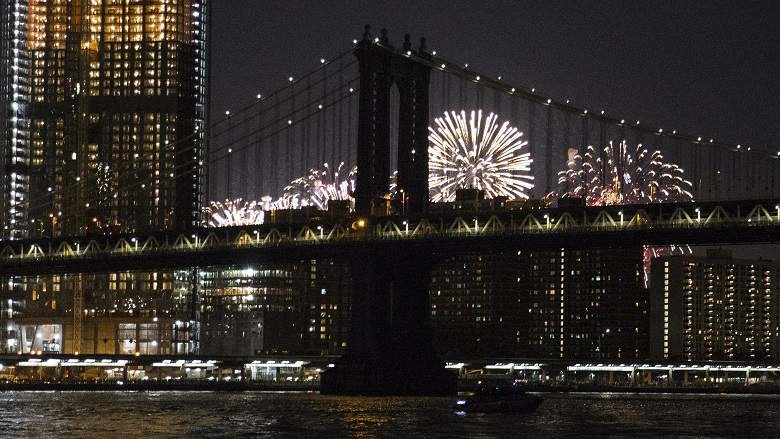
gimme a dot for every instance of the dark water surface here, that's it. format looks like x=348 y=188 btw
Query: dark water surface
x=252 y=414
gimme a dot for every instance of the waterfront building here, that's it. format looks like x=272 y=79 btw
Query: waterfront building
x=557 y=303
x=104 y=115
x=285 y=308
x=108 y=313
x=714 y=307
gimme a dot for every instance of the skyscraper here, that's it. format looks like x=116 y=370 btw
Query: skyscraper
x=714 y=307
x=572 y=303
x=14 y=126
x=104 y=114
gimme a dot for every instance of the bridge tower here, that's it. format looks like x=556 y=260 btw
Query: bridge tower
x=382 y=67
x=390 y=350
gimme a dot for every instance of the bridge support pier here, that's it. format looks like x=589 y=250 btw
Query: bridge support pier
x=390 y=349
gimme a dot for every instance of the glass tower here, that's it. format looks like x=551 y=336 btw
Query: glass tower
x=104 y=115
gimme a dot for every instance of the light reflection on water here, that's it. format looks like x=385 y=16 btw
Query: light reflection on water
x=250 y=414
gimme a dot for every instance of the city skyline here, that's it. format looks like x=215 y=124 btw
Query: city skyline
x=369 y=218
x=392 y=197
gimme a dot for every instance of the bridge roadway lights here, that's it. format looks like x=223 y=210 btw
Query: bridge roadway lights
x=390 y=350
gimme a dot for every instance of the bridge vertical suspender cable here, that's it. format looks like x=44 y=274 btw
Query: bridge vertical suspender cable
x=330 y=154
x=288 y=153
x=259 y=180
x=584 y=140
x=275 y=157
x=322 y=122
x=305 y=137
x=244 y=177
x=548 y=151
x=568 y=141
x=351 y=142
x=532 y=136
x=228 y=165
x=340 y=145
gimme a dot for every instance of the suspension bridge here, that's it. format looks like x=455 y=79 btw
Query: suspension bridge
x=371 y=106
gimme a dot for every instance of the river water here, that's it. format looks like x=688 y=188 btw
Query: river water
x=255 y=414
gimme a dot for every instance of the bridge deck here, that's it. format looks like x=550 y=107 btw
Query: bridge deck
x=447 y=232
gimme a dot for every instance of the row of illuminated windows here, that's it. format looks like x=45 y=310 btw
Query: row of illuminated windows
x=120 y=70
x=150 y=68
x=45 y=69
x=150 y=84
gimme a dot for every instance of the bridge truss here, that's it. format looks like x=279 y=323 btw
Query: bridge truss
x=448 y=231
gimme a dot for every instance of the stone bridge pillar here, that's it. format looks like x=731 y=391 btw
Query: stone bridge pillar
x=382 y=67
x=390 y=350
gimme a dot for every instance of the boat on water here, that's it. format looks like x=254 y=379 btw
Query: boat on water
x=499 y=398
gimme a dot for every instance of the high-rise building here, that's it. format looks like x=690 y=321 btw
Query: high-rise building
x=14 y=124
x=104 y=313
x=548 y=303
x=285 y=308
x=300 y=307
x=104 y=114
x=714 y=307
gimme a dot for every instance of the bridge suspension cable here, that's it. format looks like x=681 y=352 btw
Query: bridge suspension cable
x=278 y=125
x=72 y=192
x=307 y=122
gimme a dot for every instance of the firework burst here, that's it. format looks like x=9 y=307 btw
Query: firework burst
x=619 y=174
x=318 y=187
x=477 y=152
x=234 y=213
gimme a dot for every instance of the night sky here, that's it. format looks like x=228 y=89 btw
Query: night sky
x=705 y=68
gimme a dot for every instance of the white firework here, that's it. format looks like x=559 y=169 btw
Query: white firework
x=621 y=175
x=476 y=152
x=318 y=187
x=106 y=184
x=618 y=174
x=234 y=213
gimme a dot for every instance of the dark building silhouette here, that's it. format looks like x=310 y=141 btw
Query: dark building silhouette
x=559 y=303
x=293 y=308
